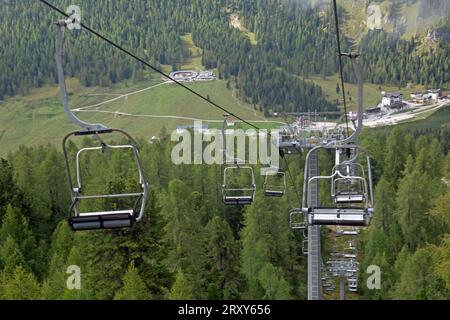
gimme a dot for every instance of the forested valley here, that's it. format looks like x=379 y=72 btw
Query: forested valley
x=189 y=246
x=292 y=41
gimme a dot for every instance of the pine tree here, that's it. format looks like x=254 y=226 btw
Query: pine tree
x=396 y=151
x=133 y=288
x=55 y=282
x=221 y=260
x=384 y=205
x=264 y=240
x=181 y=289
x=9 y=192
x=418 y=281
x=21 y=286
x=10 y=256
x=441 y=256
x=413 y=201
x=15 y=226
x=274 y=284
x=183 y=233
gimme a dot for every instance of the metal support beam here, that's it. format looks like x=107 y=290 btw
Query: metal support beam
x=314 y=256
x=342 y=287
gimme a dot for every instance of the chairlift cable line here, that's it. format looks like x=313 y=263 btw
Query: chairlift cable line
x=166 y=76
x=341 y=70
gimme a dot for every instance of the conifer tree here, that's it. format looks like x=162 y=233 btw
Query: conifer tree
x=181 y=289
x=133 y=287
x=22 y=285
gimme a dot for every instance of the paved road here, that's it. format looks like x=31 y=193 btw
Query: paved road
x=117 y=113
x=393 y=119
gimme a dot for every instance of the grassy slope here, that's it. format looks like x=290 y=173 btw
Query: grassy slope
x=194 y=61
x=39 y=118
x=431 y=120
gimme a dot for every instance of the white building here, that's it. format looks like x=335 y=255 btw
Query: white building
x=392 y=100
x=434 y=94
x=417 y=96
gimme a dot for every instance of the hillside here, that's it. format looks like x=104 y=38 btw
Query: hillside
x=39 y=118
x=222 y=231
x=406 y=17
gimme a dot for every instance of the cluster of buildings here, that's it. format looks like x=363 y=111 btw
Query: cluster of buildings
x=390 y=101
x=395 y=100
x=190 y=75
x=430 y=95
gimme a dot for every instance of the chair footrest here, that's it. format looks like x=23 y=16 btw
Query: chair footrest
x=274 y=193
x=245 y=200
x=102 y=220
x=334 y=216
x=349 y=199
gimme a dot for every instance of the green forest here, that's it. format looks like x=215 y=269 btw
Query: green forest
x=292 y=42
x=190 y=246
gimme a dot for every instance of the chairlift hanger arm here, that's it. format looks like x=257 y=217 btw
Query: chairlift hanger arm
x=354 y=138
x=62 y=24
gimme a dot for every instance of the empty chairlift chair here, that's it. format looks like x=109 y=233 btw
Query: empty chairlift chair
x=275 y=184
x=120 y=218
x=297 y=220
x=351 y=192
x=80 y=219
x=350 y=189
x=305 y=243
x=233 y=191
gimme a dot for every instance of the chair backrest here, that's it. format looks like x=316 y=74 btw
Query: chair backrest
x=275 y=184
x=234 y=193
x=297 y=219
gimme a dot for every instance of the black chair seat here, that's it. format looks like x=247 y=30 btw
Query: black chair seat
x=100 y=220
x=234 y=201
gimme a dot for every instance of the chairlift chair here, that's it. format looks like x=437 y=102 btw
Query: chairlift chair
x=87 y=220
x=242 y=195
x=351 y=209
x=275 y=184
x=345 y=211
x=297 y=220
x=81 y=220
x=349 y=190
x=348 y=186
